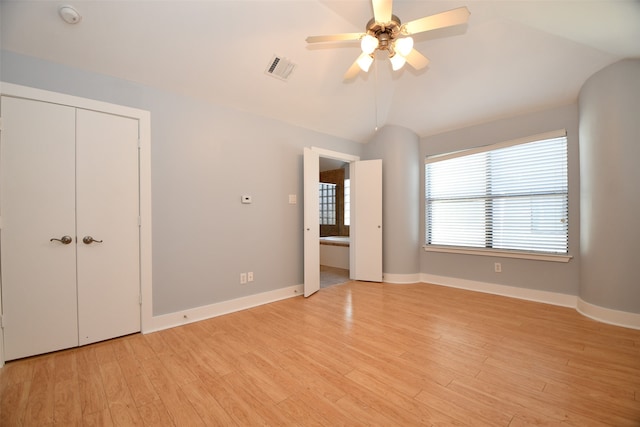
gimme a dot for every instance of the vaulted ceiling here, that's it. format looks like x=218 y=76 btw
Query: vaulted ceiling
x=512 y=57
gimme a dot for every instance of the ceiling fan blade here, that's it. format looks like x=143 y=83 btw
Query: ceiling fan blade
x=354 y=69
x=334 y=38
x=440 y=20
x=382 y=10
x=417 y=60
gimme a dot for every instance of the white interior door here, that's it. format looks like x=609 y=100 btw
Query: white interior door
x=311 y=222
x=107 y=211
x=365 y=252
x=37 y=199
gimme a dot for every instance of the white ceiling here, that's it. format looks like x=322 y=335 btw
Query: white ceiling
x=513 y=56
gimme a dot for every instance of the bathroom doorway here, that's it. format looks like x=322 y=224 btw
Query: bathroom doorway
x=365 y=230
x=334 y=214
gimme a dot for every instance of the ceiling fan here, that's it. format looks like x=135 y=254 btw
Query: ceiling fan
x=386 y=32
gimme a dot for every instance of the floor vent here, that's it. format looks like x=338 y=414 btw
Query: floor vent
x=280 y=67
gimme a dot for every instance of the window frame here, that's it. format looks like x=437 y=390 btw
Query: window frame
x=486 y=251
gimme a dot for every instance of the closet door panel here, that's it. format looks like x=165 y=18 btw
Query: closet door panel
x=37 y=204
x=108 y=211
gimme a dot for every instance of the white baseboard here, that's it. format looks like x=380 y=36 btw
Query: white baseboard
x=184 y=317
x=607 y=315
x=402 y=279
x=601 y=314
x=554 y=298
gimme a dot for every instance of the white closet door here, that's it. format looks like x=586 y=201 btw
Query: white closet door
x=37 y=199
x=107 y=211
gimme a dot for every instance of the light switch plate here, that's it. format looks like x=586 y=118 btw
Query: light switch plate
x=246 y=199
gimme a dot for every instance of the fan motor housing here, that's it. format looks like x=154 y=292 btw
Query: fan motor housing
x=385 y=32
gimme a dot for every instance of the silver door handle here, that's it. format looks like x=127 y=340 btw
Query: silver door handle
x=87 y=240
x=65 y=240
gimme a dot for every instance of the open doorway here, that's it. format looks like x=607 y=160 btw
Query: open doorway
x=334 y=214
x=365 y=230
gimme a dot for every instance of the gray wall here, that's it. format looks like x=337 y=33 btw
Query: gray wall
x=610 y=187
x=204 y=157
x=532 y=274
x=398 y=148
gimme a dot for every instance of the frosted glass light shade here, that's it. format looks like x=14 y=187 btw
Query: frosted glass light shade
x=369 y=44
x=397 y=62
x=364 y=62
x=404 y=46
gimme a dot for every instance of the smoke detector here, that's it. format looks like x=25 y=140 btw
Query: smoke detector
x=69 y=14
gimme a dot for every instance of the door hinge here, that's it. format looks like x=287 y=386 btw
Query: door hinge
x=0 y=123
x=139 y=144
x=139 y=221
x=140 y=299
x=1 y=322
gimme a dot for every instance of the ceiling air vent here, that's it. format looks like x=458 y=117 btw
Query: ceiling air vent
x=280 y=67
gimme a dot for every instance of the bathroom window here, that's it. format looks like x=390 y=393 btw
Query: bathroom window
x=327 y=203
x=347 y=202
x=332 y=203
x=508 y=196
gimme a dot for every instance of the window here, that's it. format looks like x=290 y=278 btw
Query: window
x=333 y=210
x=347 y=202
x=508 y=196
x=327 y=203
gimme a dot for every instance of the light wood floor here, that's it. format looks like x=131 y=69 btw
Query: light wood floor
x=353 y=354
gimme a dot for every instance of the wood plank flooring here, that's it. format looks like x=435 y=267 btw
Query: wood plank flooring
x=352 y=354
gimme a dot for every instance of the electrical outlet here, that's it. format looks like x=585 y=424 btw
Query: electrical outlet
x=497 y=267
x=250 y=276
x=243 y=278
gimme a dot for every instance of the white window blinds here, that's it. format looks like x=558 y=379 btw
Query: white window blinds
x=508 y=196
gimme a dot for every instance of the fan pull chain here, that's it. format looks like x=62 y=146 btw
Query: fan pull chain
x=375 y=95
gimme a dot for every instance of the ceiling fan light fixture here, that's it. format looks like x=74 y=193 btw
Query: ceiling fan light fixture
x=385 y=31
x=404 y=46
x=369 y=44
x=365 y=61
x=397 y=62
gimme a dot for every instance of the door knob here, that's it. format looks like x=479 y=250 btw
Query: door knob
x=65 y=240
x=87 y=240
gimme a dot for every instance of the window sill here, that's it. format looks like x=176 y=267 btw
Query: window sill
x=499 y=253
